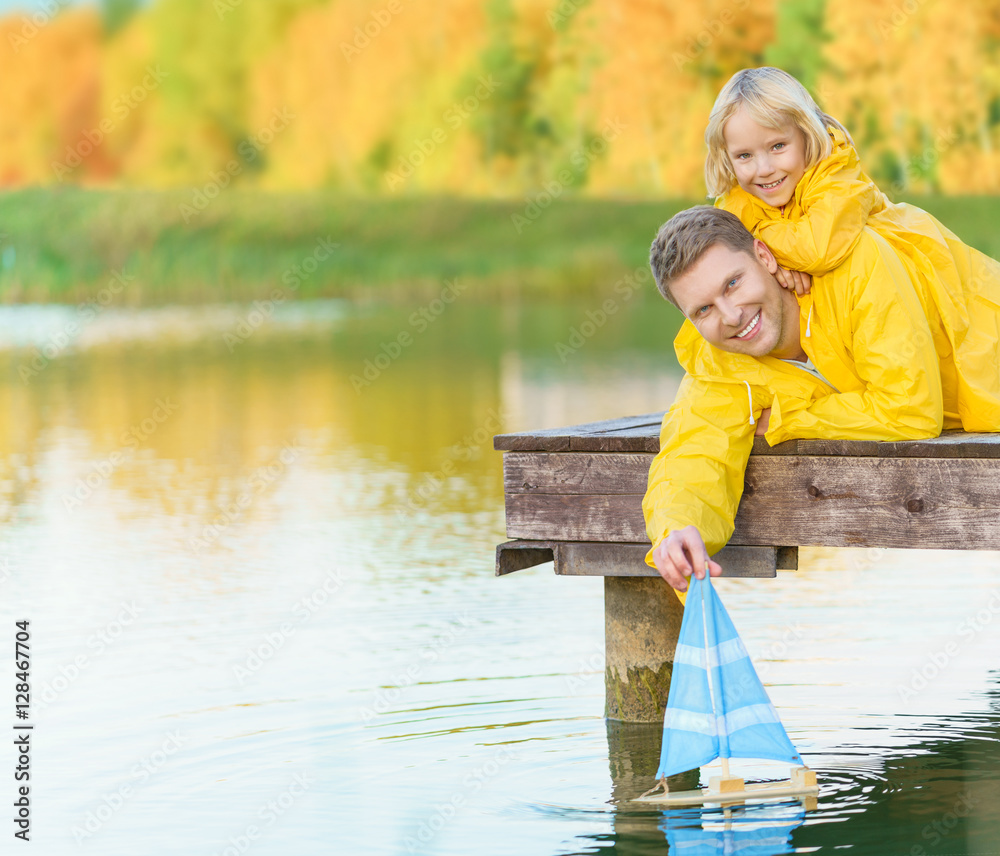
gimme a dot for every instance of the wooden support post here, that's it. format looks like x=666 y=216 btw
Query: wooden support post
x=642 y=620
x=642 y=615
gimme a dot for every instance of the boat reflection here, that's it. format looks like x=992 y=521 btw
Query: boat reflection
x=755 y=830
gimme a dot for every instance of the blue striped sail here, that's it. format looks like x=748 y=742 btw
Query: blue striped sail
x=717 y=706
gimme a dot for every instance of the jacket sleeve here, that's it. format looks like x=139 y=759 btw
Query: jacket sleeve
x=697 y=477
x=836 y=200
x=885 y=330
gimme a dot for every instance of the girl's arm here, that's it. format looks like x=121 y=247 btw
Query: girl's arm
x=831 y=206
x=900 y=395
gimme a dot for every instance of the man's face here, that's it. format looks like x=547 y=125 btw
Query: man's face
x=737 y=305
x=768 y=162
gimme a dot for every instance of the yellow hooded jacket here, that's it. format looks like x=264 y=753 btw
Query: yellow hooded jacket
x=866 y=332
x=959 y=287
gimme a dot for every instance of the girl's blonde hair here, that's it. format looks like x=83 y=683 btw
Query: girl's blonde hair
x=772 y=98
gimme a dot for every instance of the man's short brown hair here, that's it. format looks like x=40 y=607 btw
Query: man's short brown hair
x=687 y=236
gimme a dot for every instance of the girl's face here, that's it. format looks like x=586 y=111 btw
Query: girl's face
x=768 y=162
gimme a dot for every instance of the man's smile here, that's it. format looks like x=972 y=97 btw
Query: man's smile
x=750 y=330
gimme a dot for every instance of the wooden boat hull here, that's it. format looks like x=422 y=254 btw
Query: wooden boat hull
x=731 y=789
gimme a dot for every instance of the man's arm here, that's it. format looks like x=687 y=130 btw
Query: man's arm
x=696 y=480
x=885 y=331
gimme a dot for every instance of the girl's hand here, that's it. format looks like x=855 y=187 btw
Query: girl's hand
x=794 y=280
x=762 y=422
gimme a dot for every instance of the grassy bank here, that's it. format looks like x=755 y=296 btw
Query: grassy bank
x=65 y=245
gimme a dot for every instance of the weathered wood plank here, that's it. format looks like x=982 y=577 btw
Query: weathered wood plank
x=562 y=472
x=552 y=440
x=559 y=439
x=947 y=503
x=626 y=440
x=618 y=473
x=583 y=559
x=550 y=517
x=628 y=560
x=953 y=444
x=641 y=434
x=519 y=555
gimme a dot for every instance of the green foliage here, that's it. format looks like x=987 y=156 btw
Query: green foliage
x=504 y=122
x=798 y=46
x=116 y=13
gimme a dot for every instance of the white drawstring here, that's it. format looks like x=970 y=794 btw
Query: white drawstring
x=809 y=320
x=750 y=399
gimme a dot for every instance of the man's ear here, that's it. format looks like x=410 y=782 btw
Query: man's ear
x=765 y=256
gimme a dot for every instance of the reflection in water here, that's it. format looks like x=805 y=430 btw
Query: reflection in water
x=938 y=795
x=634 y=755
x=261 y=597
x=749 y=831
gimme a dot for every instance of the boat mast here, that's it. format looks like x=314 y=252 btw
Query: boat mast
x=708 y=674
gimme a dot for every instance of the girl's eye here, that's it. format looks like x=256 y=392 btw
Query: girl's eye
x=779 y=146
x=743 y=156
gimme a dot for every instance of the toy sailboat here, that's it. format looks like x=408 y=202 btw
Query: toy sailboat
x=718 y=708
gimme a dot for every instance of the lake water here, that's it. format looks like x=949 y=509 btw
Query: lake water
x=264 y=620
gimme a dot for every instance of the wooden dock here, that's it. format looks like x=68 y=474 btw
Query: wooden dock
x=574 y=497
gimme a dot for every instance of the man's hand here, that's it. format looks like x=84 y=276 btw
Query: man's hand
x=681 y=554
x=794 y=280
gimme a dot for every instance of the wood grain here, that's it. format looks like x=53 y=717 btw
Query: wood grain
x=628 y=560
x=641 y=434
x=551 y=517
x=519 y=555
x=948 y=503
x=561 y=439
x=569 y=472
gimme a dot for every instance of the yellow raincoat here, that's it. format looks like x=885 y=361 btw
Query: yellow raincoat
x=819 y=228
x=865 y=330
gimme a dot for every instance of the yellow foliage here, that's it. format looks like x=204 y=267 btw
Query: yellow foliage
x=50 y=74
x=372 y=88
x=484 y=97
x=662 y=67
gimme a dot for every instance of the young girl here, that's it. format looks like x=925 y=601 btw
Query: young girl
x=792 y=175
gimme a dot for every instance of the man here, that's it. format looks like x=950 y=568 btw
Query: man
x=860 y=357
